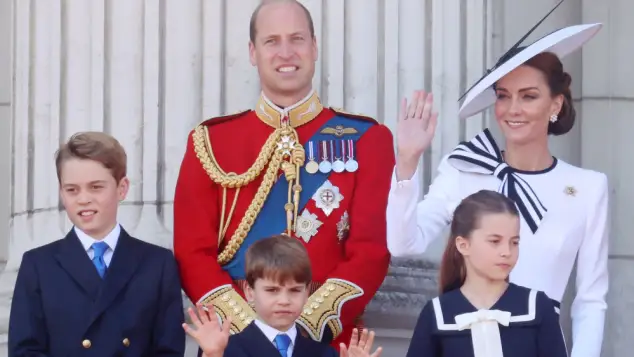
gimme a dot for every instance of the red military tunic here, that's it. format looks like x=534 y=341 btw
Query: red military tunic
x=346 y=244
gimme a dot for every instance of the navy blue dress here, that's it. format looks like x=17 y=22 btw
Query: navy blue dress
x=533 y=330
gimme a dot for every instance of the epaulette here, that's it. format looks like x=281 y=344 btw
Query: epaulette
x=223 y=118
x=343 y=113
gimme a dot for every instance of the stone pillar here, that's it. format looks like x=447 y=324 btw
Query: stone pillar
x=5 y=124
x=607 y=104
x=442 y=46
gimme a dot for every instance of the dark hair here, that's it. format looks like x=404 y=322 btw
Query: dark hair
x=559 y=83
x=279 y=258
x=254 y=16
x=96 y=146
x=466 y=219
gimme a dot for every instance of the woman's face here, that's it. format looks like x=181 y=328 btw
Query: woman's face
x=524 y=105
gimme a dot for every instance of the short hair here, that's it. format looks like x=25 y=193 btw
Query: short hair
x=95 y=146
x=279 y=258
x=254 y=17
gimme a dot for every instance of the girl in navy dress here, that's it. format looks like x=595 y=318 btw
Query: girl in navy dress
x=479 y=313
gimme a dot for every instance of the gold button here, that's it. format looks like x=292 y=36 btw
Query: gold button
x=126 y=342
x=86 y=343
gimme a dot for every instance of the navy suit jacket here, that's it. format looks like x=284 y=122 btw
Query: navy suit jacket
x=252 y=342
x=61 y=307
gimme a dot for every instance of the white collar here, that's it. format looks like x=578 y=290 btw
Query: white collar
x=111 y=238
x=271 y=332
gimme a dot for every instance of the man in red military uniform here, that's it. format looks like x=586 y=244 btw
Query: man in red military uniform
x=289 y=166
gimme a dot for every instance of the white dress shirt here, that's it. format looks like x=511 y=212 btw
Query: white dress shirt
x=575 y=226
x=111 y=240
x=271 y=333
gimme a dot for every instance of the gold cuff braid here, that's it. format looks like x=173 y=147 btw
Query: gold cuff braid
x=324 y=308
x=282 y=147
x=228 y=303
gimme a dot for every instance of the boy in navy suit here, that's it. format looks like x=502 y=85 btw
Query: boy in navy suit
x=98 y=291
x=278 y=274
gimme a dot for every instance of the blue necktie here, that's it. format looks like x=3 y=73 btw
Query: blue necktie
x=282 y=342
x=99 y=249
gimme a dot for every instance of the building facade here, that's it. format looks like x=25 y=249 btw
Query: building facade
x=147 y=71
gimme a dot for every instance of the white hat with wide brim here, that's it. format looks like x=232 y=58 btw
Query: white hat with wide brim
x=561 y=42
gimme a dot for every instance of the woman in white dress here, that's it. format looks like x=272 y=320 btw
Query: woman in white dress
x=563 y=207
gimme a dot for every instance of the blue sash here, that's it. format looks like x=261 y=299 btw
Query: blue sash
x=272 y=217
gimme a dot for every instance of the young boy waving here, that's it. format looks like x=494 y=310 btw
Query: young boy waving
x=278 y=273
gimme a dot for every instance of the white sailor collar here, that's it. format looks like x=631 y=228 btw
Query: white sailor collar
x=522 y=304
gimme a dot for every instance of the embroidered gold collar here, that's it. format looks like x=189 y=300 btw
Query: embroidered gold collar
x=297 y=114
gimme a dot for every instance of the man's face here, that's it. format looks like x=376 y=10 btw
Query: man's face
x=284 y=51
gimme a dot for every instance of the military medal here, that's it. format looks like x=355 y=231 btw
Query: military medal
x=327 y=197
x=307 y=226
x=343 y=226
x=351 y=164
x=338 y=165
x=311 y=167
x=324 y=166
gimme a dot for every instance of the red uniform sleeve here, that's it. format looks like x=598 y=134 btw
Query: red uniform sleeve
x=196 y=222
x=351 y=286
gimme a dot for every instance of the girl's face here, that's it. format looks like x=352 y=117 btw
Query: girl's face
x=492 y=249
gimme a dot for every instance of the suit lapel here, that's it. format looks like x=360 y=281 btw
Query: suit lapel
x=74 y=259
x=303 y=348
x=256 y=344
x=125 y=260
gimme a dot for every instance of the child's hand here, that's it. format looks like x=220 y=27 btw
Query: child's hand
x=360 y=347
x=210 y=336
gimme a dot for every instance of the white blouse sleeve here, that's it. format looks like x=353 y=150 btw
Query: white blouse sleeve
x=413 y=225
x=589 y=305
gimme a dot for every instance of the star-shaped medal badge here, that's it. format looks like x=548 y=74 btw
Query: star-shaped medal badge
x=286 y=145
x=327 y=197
x=307 y=225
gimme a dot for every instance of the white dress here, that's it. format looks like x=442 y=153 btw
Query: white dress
x=565 y=217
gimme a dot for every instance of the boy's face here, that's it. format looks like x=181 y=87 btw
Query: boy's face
x=91 y=196
x=279 y=305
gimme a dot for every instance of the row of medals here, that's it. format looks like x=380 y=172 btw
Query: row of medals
x=335 y=155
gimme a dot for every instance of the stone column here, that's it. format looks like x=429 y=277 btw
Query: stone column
x=442 y=46
x=6 y=63
x=607 y=104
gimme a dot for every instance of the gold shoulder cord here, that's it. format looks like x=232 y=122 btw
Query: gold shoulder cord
x=282 y=150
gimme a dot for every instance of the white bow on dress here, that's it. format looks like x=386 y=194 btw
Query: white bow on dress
x=485 y=332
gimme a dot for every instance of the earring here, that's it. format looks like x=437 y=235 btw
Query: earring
x=553 y=118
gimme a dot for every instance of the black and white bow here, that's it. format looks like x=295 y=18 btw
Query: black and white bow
x=482 y=155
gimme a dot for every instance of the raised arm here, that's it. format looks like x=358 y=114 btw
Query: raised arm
x=588 y=307
x=412 y=224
